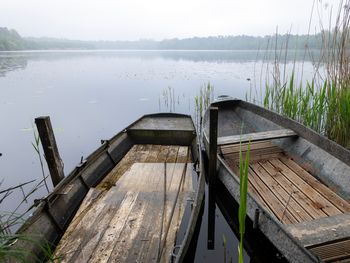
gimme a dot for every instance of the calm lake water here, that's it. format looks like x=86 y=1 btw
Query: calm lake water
x=91 y=95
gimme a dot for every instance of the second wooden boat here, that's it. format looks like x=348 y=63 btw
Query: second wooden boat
x=299 y=181
x=135 y=199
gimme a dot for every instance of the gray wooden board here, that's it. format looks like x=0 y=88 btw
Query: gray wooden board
x=322 y=230
x=124 y=223
x=164 y=123
x=257 y=136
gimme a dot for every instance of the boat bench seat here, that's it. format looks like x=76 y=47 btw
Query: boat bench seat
x=257 y=136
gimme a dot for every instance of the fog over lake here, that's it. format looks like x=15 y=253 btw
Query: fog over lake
x=91 y=95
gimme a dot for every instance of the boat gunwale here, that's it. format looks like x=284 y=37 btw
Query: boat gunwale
x=43 y=209
x=335 y=150
x=331 y=147
x=263 y=225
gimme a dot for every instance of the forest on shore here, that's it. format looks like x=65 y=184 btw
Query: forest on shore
x=10 y=40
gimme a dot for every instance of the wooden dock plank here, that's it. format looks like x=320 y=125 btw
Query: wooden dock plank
x=318 y=200
x=257 y=136
x=336 y=200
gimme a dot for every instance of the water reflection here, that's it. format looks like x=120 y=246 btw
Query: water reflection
x=11 y=63
x=18 y=60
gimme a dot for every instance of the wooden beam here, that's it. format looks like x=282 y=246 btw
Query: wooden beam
x=48 y=141
x=257 y=136
x=213 y=137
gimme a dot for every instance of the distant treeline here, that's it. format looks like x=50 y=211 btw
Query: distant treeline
x=11 y=40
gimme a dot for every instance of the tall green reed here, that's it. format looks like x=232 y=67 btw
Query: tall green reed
x=243 y=191
x=323 y=103
x=202 y=102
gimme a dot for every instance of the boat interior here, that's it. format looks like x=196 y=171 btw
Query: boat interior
x=135 y=212
x=297 y=182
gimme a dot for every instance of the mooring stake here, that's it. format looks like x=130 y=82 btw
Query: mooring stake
x=213 y=138
x=213 y=143
x=48 y=141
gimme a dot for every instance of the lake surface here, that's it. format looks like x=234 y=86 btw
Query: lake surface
x=91 y=95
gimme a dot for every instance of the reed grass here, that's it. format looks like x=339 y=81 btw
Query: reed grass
x=243 y=191
x=202 y=103
x=323 y=103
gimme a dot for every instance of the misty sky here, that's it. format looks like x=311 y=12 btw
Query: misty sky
x=157 y=19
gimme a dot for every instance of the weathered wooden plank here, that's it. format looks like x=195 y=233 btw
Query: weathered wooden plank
x=164 y=123
x=317 y=199
x=146 y=209
x=258 y=136
x=298 y=195
x=266 y=197
x=185 y=191
x=183 y=155
x=285 y=197
x=271 y=200
x=339 y=202
x=52 y=156
x=153 y=153
x=265 y=151
x=321 y=231
x=86 y=229
x=92 y=196
x=164 y=151
x=172 y=155
x=232 y=148
x=251 y=189
x=255 y=157
x=113 y=176
x=125 y=224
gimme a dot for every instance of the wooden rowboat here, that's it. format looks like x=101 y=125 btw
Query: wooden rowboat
x=299 y=181
x=136 y=198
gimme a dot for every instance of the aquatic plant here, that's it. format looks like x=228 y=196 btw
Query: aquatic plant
x=243 y=191
x=36 y=146
x=322 y=104
x=202 y=103
x=168 y=99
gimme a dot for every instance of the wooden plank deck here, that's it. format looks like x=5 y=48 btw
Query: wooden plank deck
x=134 y=214
x=283 y=187
x=256 y=136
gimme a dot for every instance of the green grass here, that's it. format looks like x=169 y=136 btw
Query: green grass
x=323 y=103
x=325 y=109
x=243 y=190
x=202 y=102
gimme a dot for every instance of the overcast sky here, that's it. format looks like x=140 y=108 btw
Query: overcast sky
x=156 y=19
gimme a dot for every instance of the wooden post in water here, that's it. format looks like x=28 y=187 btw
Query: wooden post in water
x=213 y=143
x=213 y=138
x=48 y=141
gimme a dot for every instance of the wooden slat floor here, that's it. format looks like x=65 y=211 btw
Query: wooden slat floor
x=287 y=190
x=338 y=251
x=126 y=218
